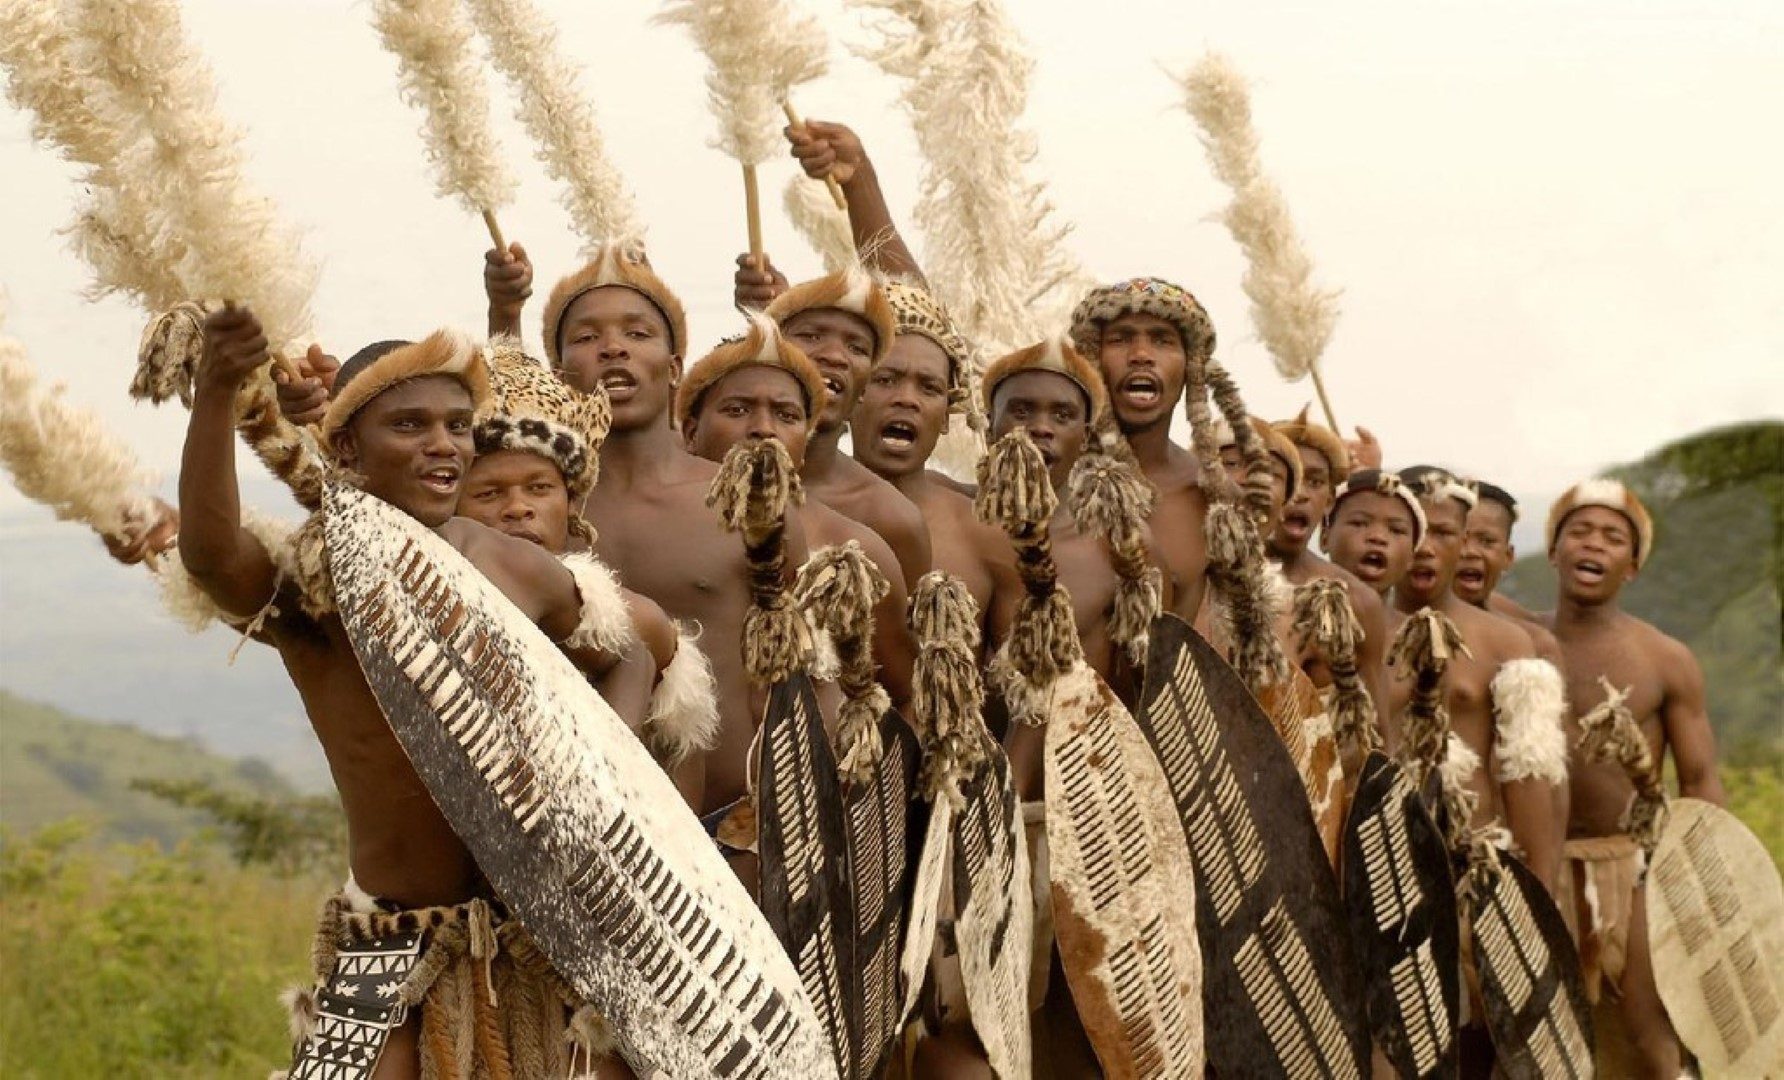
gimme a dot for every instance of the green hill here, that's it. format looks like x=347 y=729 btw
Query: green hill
x=1716 y=575
x=54 y=766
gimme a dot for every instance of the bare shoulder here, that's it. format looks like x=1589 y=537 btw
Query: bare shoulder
x=1672 y=657
x=952 y=484
x=1494 y=638
x=825 y=527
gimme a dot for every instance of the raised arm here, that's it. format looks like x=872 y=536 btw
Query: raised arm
x=827 y=150
x=226 y=561
x=1686 y=720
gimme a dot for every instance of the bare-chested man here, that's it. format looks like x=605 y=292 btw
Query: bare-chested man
x=401 y=423
x=1599 y=536
x=1487 y=553
x=1504 y=703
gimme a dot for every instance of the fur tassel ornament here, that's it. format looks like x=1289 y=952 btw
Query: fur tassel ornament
x=168 y=356
x=441 y=77
x=1294 y=319
x=1421 y=651
x=947 y=693
x=1112 y=499
x=523 y=46
x=1326 y=622
x=1609 y=733
x=838 y=588
x=752 y=490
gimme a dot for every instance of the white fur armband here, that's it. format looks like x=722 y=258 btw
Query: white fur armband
x=1529 y=706
x=606 y=620
x=1459 y=762
x=684 y=708
x=190 y=605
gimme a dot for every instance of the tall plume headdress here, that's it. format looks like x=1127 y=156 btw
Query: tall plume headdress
x=758 y=52
x=522 y=44
x=440 y=76
x=1293 y=317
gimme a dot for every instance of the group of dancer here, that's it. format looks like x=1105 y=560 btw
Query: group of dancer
x=681 y=526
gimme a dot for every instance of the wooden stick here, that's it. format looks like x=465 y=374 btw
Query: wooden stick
x=842 y=201
x=1325 y=403
x=752 y=208
x=495 y=231
x=286 y=367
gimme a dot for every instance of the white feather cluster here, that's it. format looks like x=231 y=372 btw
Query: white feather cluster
x=442 y=78
x=62 y=456
x=759 y=50
x=814 y=213
x=522 y=44
x=220 y=239
x=1293 y=318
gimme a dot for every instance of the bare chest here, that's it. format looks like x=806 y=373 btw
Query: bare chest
x=1618 y=660
x=671 y=548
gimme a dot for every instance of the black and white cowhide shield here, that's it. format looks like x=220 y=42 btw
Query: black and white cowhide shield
x=583 y=835
x=881 y=817
x=804 y=851
x=1402 y=901
x=1530 y=983
x=1283 y=994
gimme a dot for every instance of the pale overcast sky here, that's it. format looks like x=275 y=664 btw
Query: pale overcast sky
x=1556 y=225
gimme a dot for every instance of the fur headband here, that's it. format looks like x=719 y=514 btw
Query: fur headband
x=852 y=290
x=1612 y=495
x=1143 y=296
x=916 y=311
x=1381 y=483
x=534 y=411
x=444 y=352
x=1056 y=355
x=623 y=268
x=1431 y=482
x=762 y=346
x=1494 y=493
x=1303 y=432
x=1275 y=442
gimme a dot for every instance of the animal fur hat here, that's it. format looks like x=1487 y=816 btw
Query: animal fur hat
x=1056 y=355
x=626 y=268
x=1304 y=432
x=534 y=411
x=1612 y=495
x=1431 y=482
x=1274 y=441
x=1382 y=483
x=852 y=290
x=916 y=311
x=1143 y=296
x=443 y=352
x=762 y=346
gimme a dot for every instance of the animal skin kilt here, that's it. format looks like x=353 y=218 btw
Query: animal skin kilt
x=1402 y=903
x=1530 y=984
x=1284 y=995
x=1716 y=934
x=836 y=871
x=584 y=838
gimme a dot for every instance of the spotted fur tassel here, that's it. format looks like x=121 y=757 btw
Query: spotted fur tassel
x=1112 y=499
x=168 y=355
x=1325 y=621
x=1422 y=650
x=947 y=693
x=1609 y=733
x=838 y=588
x=752 y=491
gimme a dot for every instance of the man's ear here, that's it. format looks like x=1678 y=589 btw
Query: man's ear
x=675 y=370
x=346 y=448
x=688 y=427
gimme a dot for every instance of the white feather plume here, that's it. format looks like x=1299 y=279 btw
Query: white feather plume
x=442 y=78
x=759 y=50
x=814 y=213
x=523 y=45
x=1294 y=319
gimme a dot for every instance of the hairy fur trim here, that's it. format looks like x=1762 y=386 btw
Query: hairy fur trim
x=1529 y=707
x=523 y=45
x=1144 y=296
x=1294 y=319
x=590 y=1037
x=1275 y=443
x=1015 y=492
x=442 y=77
x=1612 y=495
x=167 y=357
x=1421 y=651
x=190 y=605
x=762 y=346
x=851 y=289
x=1460 y=762
x=683 y=717
x=619 y=263
x=1112 y=498
x=947 y=692
x=606 y=622
x=1326 y=622
x=1056 y=355
x=754 y=487
x=1609 y=733
x=838 y=588
x=752 y=490
x=814 y=214
x=301 y=1012
x=1304 y=432
x=443 y=352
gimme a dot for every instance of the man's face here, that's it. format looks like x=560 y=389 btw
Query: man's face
x=1053 y=410
x=1594 y=555
x=1371 y=536
x=1308 y=508
x=904 y=409
x=412 y=445
x=1144 y=365
x=521 y=494
x=1434 y=563
x=616 y=338
x=841 y=344
x=1486 y=552
x=754 y=402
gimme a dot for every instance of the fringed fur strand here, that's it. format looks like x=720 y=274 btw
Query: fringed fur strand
x=1325 y=622
x=1609 y=733
x=947 y=693
x=838 y=587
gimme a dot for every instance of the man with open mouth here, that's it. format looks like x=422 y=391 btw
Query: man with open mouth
x=1600 y=536
x=1371 y=530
